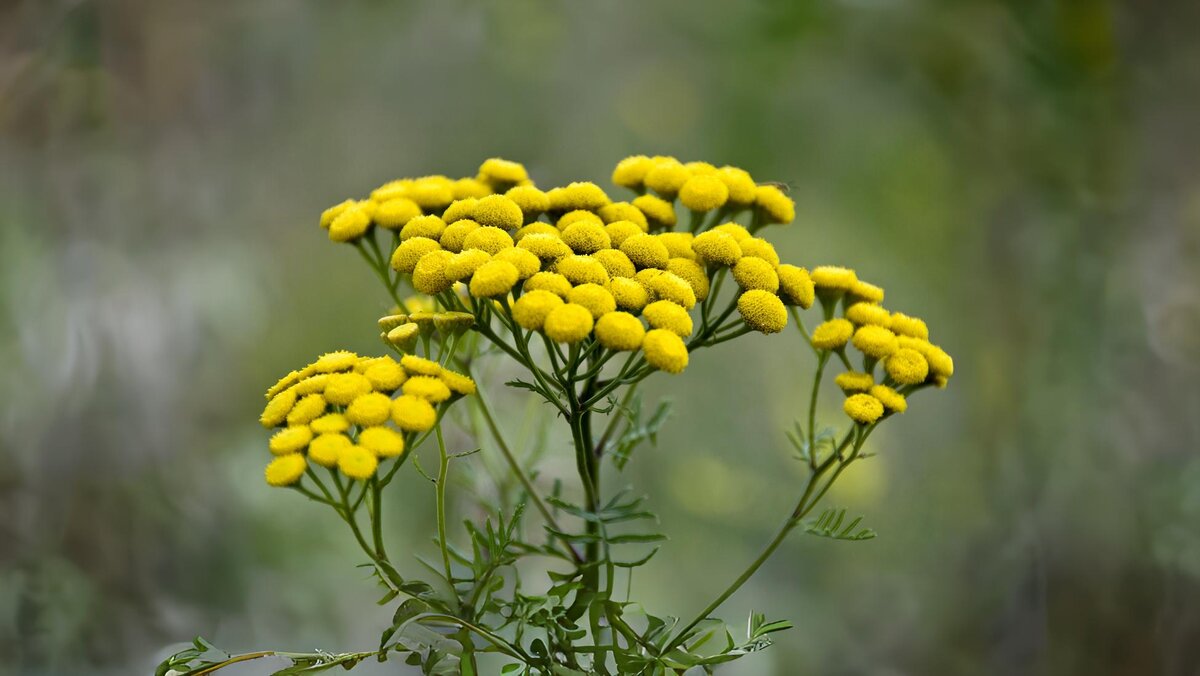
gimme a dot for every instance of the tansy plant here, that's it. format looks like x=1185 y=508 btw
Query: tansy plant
x=589 y=297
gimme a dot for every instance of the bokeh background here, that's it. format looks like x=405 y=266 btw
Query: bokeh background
x=1025 y=175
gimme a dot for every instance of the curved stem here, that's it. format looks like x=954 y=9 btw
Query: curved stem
x=440 y=491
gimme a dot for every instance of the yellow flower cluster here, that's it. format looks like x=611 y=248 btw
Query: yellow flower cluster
x=353 y=412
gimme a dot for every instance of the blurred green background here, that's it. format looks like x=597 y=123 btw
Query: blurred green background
x=1025 y=175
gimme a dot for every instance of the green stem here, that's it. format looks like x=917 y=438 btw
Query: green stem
x=440 y=491
x=812 y=408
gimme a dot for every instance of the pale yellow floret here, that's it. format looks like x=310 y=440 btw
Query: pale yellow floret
x=580 y=195
x=742 y=189
x=663 y=314
x=631 y=171
x=527 y=264
x=462 y=265
x=762 y=311
x=692 y=273
x=667 y=176
x=545 y=246
x=907 y=366
x=774 y=204
x=616 y=263
x=466 y=188
x=905 y=325
x=737 y=231
x=646 y=251
x=833 y=278
x=430 y=388
x=585 y=237
x=665 y=351
x=869 y=313
x=530 y=200
x=620 y=331
x=413 y=414
x=629 y=294
x=672 y=287
x=582 y=270
x=343 y=388
x=306 y=410
x=568 y=323
x=536 y=228
x=875 y=341
x=755 y=273
x=703 y=192
x=866 y=292
x=659 y=212
x=498 y=170
x=578 y=216
x=405 y=257
x=351 y=224
x=456 y=233
x=404 y=336
x=892 y=400
x=278 y=408
x=290 y=440
x=369 y=409
x=548 y=281
x=430 y=227
x=863 y=408
x=500 y=212
x=594 y=297
x=716 y=248
x=619 y=231
x=531 y=308
x=395 y=214
x=357 y=462
x=833 y=334
x=458 y=383
x=757 y=247
x=311 y=384
x=853 y=382
x=429 y=275
x=384 y=442
x=326 y=448
x=623 y=211
x=432 y=193
x=453 y=323
x=494 y=278
x=330 y=423
x=285 y=470
x=334 y=211
x=795 y=286
x=385 y=375
x=679 y=244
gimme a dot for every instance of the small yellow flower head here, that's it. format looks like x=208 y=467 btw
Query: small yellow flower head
x=343 y=388
x=869 y=313
x=582 y=270
x=833 y=279
x=455 y=234
x=775 y=206
x=496 y=171
x=629 y=294
x=716 y=248
x=382 y=441
x=532 y=307
x=286 y=470
x=327 y=448
x=737 y=231
x=581 y=195
x=369 y=409
x=616 y=263
x=865 y=292
x=420 y=366
x=357 y=462
x=679 y=244
x=395 y=214
x=536 y=228
x=795 y=286
x=403 y=336
x=620 y=331
x=500 y=212
x=429 y=275
x=330 y=423
x=549 y=281
x=467 y=188
x=643 y=277
x=531 y=201
x=385 y=375
x=278 y=408
x=405 y=257
x=863 y=408
x=594 y=297
x=665 y=351
x=432 y=193
x=585 y=237
x=755 y=273
x=704 y=192
x=892 y=400
x=646 y=251
x=700 y=168
x=631 y=171
x=903 y=325
x=351 y=224
x=453 y=323
x=758 y=247
x=458 y=383
x=907 y=366
x=663 y=314
x=672 y=287
x=282 y=384
x=527 y=264
x=392 y=190
x=742 y=189
x=852 y=382
x=833 y=334
x=659 y=212
x=875 y=341
x=389 y=322
x=692 y=273
x=545 y=246
x=430 y=227
x=333 y=212
x=578 y=216
x=459 y=210
x=306 y=410
x=290 y=440
x=331 y=362
x=762 y=311
x=314 y=384
x=619 y=231
x=413 y=414
x=569 y=323
x=494 y=278
x=667 y=177
x=623 y=211
x=941 y=365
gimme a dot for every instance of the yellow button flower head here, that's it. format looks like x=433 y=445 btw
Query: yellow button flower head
x=389 y=322
x=351 y=224
x=795 y=286
x=546 y=247
x=382 y=441
x=775 y=206
x=580 y=195
x=755 y=273
x=907 y=366
x=667 y=177
x=582 y=270
x=619 y=231
x=343 y=388
x=646 y=251
x=875 y=341
x=395 y=214
x=496 y=170
x=663 y=314
x=833 y=334
x=631 y=171
x=692 y=273
x=500 y=212
x=892 y=400
x=665 y=351
x=278 y=408
x=536 y=228
x=466 y=188
x=643 y=277
x=456 y=233
x=940 y=363
x=758 y=247
x=679 y=244
x=330 y=362
x=716 y=248
x=585 y=237
x=429 y=275
x=494 y=278
x=460 y=209
x=620 y=331
x=430 y=227
x=704 y=192
x=737 y=231
x=392 y=190
x=285 y=470
x=659 y=212
x=578 y=216
x=357 y=462
x=306 y=410
x=742 y=189
x=623 y=211
x=405 y=257
x=290 y=440
x=327 y=448
x=863 y=408
x=311 y=385
x=903 y=325
x=531 y=308
x=594 y=297
x=334 y=211
x=458 y=383
x=569 y=323
x=527 y=264
x=762 y=311
x=453 y=323
x=869 y=313
x=420 y=366
x=672 y=287
x=616 y=263
x=385 y=375
x=369 y=409
x=700 y=168
x=282 y=384
x=833 y=278
x=629 y=294
x=432 y=193
x=403 y=337
x=548 y=281
x=866 y=292
x=330 y=423
x=530 y=200
x=413 y=414
x=854 y=381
